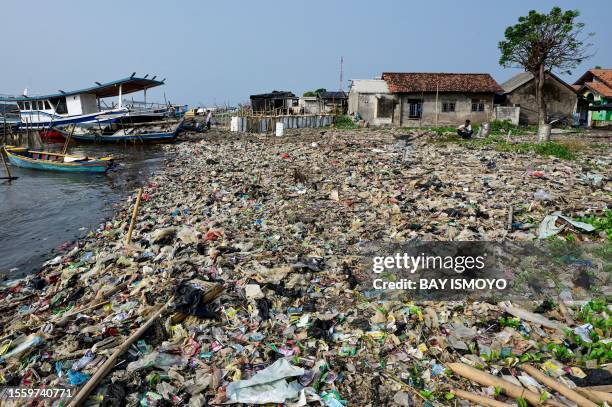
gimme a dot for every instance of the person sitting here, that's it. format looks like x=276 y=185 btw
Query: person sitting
x=465 y=130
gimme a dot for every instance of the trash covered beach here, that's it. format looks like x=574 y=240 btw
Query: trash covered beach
x=241 y=282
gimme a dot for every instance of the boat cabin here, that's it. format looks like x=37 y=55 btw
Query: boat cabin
x=77 y=106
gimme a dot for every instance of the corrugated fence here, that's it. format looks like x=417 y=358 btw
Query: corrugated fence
x=267 y=124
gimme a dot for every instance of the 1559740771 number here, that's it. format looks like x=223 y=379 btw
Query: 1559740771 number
x=13 y=393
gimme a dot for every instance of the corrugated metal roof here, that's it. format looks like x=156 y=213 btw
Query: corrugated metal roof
x=102 y=90
x=522 y=78
x=516 y=81
x=333 y=95
x=369 y=86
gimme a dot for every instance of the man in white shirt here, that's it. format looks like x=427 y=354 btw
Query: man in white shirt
x=465 y=130
x=208 y=119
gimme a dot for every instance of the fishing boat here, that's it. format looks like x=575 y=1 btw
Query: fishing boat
x=48 y=161
x=155 y=132
x=80 y=106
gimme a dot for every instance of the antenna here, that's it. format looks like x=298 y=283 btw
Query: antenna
x=341 y=72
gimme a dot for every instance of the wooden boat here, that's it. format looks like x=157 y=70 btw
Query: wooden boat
x=48 y=161
x=155 y=132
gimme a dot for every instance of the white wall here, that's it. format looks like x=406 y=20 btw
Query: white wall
x=73 y=103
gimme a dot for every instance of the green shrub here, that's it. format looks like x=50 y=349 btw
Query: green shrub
x=344 y=122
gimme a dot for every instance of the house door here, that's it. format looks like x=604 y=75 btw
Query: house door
x=412 y=110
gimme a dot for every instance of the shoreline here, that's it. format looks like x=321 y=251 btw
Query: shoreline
x=278 y=223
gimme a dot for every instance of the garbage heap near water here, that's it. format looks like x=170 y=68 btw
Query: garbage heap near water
x=242 y=282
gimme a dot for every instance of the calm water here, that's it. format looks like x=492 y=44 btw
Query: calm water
x=42 y=210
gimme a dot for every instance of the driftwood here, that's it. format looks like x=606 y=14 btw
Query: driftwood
x=128 y=239
x=558 y=386
x=535 y=318
x=508 y=388
x=480 y=400
x=209 y=296
x=595 y=396
x=93 y=382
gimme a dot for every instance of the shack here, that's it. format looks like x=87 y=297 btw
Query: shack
x=372 y=101
x=595 y=101
x=520 y=90
x=432 y=99
x=275 y=102
x=333 y=102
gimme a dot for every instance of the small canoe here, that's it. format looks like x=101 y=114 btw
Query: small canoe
x=47 y=161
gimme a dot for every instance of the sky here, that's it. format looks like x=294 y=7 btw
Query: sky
x=221 y=52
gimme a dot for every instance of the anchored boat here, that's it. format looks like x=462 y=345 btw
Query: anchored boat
x=48 y=161
x=155 y=132
x=80 y=106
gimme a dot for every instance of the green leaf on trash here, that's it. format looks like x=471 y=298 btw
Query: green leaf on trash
x=449 y=396
x=521 y=402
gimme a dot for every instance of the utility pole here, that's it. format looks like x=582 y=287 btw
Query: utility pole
x=341 y=72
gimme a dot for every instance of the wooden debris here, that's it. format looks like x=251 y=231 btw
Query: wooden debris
x=558 y=386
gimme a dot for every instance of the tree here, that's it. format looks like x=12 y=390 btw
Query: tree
x=315 y=92
x=541 y=43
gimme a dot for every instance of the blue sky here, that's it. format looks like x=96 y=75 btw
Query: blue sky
x=218 y=52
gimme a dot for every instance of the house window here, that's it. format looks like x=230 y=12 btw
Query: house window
x=478 y=105
x=415 y=108
x=448 y=107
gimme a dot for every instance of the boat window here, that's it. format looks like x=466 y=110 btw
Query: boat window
x=40 y=105
x=21 y=105
x=47 y=106
x=60 y=105
x=27 y=105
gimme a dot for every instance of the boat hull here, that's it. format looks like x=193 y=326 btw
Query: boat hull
x=41 y=120
x=135 y=138
x=94 y=166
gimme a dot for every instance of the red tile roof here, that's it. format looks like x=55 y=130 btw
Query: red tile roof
x=412 y=82
x=605 y=75
x=600 y=88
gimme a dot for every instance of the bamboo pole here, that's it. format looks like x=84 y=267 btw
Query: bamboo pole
x=558 y=386
x=508 y=388
x=6 y=167
x=483 y=401
x=93 y=382
x=595 y=396
x=128 y=239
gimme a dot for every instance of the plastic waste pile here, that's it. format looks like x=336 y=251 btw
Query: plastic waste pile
x=251 y=244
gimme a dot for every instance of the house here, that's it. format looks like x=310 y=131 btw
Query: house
x=436 y=99
x=372 y=100
x=333 y=102
x=520 y=91
x=275 y=102
x=595 y=97
x=309 y=105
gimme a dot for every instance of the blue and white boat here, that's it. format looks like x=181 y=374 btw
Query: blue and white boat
x=79 y=106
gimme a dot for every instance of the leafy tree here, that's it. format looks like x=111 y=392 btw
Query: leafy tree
x=542 y=43
x=315 y=92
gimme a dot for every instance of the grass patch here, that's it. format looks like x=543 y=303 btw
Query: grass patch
x=601 y=223
x=344 y=122
x=551 y=148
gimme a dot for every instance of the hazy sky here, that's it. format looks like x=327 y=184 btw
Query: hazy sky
x=223 y=51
